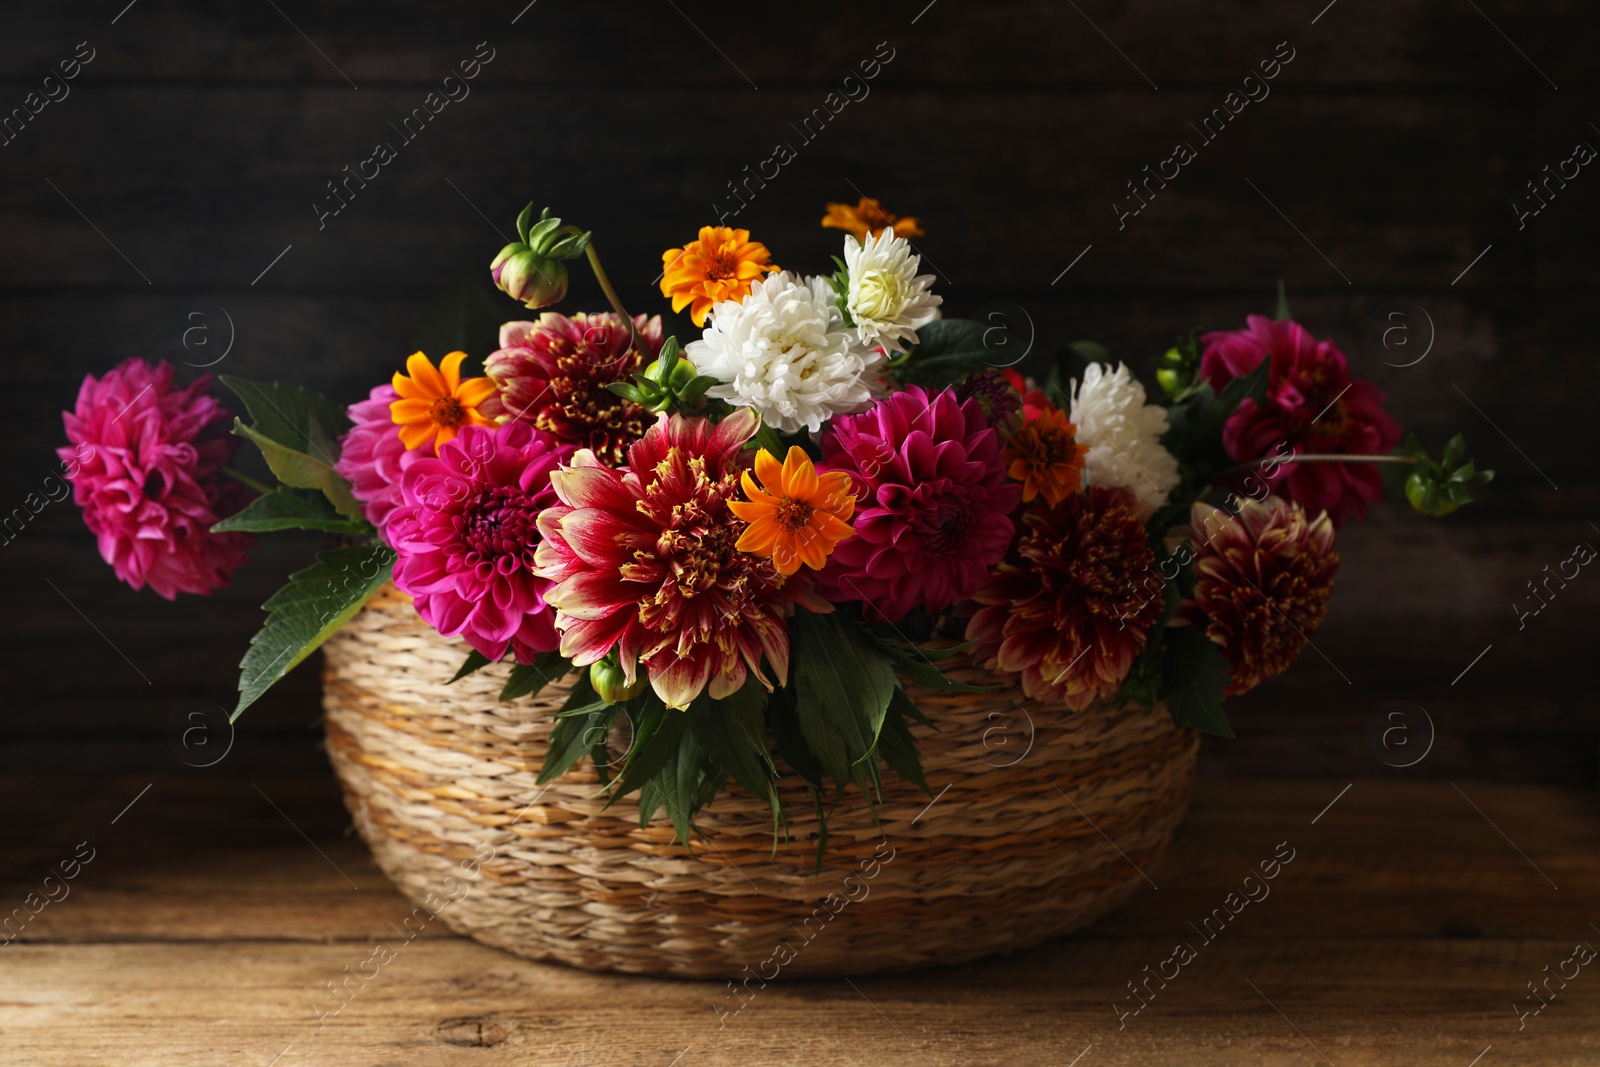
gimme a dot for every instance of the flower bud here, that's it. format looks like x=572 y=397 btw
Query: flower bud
x=610 y=684
x=531 y=269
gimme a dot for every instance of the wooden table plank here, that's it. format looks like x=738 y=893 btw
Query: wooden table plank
x=206 y=929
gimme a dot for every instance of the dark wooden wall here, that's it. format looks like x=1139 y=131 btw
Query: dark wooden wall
x=1385 y=159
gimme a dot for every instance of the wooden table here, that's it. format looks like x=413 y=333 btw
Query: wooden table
x=214 y=910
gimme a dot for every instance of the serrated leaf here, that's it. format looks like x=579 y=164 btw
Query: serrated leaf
x=576 y=736
x=733 y=734
x=843 y=683
x=291 y=509
x=1195 y=675
x=528 y=678
x=658 y=731
x=309 y=610
x=475 y=661
x=297 y=430
x=898 y=747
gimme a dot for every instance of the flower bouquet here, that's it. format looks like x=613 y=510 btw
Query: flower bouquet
x=826 y=537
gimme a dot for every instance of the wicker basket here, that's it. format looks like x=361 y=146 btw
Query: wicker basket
x=1037 y=828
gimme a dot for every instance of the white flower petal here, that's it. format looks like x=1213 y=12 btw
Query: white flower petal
x=1123 y=434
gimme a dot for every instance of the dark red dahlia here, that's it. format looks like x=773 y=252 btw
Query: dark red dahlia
x=1312 y=405
x=1068 y=609
x=553 y=373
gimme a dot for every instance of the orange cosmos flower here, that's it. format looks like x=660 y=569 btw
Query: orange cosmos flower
x=720 y=265
x=435 y=403
x=800 y=516
x=1045 y=457
x=869 y=217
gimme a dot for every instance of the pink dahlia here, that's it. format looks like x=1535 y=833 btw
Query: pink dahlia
x=465 y=533
x=1262 y=582
x=1067 y=610
x=148 y=477
x=644 y=562
x=373 y=457
x=933 y=504
x=1312 y=405
x=554 y=372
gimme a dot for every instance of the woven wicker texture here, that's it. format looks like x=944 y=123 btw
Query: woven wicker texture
x=1040 y=818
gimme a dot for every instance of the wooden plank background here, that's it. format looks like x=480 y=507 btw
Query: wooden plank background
x=198 y=138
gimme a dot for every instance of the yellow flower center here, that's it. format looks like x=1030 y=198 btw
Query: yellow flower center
x=793 y=515
x=880 y=295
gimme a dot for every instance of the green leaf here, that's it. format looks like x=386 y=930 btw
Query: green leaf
x=297 y=430
x=896 y=743
x=475 y=661
x=784 y=723
x=843 y=683
x=576 y=736
x=734 y=734
x=1194 y=678
x=291 y=509
x=911 y=661
x=528 y=678
x=658 y=731
x=307 y=611
x=948 y=349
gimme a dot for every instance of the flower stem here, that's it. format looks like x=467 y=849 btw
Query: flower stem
x=1309 y=457
x=246 y=480
x=611 y=295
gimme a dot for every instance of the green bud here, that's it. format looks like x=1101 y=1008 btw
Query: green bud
x=532 y=270
x=609 y=683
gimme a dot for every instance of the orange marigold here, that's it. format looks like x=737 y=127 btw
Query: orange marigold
x=1045 y=457
x=869 y=217
x=799 y=517
x=435 y=402
x=721 y=264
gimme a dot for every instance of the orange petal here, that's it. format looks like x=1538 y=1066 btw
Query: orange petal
x=475 y=391
x=769 y=470
x=406 y=387
x=759 y=538
x=410 y=411
x=799 y=475
x=750 y=512
x=421 y=369
x=415 y=434
x=450 y=369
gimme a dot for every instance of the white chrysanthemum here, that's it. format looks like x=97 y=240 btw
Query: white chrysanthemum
x=887 y=297
x=1123 y=434
x=785 y=351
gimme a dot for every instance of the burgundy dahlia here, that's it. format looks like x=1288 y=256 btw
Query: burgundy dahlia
x=373 y=457
x=644 y=562
x=1312 y=405
x=1068 y=609
x=148 y=462
x=465 y=535
x=553 y=373
x=932 y=502
x=1262 y=582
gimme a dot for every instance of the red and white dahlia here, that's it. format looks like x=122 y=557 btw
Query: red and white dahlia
x=933 y=504
x=1262 y=582
x=643 y=560
x=1066 y=610
x=553 y=373
x=465 y=534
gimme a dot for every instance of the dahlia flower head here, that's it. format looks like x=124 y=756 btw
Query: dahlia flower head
x=1067 y=609
x=465 y=535
x=1262 y=582
x=932 y=503
x=1123 y=434
x=785 y=352
x=372 y=457
x=149 y=479
x=1313 y=405
x=553 y=373
x=643 y=561
x=887 y=298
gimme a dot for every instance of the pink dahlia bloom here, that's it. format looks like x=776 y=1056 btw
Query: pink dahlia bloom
x=373 y=457
x=554 y=372
x=644 y=562
x=933 y=504
x=148 y=477
x=465 y=534
x=1312 y=405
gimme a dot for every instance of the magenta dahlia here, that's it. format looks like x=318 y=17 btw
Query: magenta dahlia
x=1068 y=610
x=933 y=504
x=373 y=457
x=465 y=534
x=149 y=479
x=554 y=372
x=644 y=562
x=1312 y=405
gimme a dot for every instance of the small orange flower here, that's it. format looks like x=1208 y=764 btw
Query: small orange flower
x=435 y=403
x=800 y=516
x=869 y=217
x=1045 y=457
x=720 y=265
